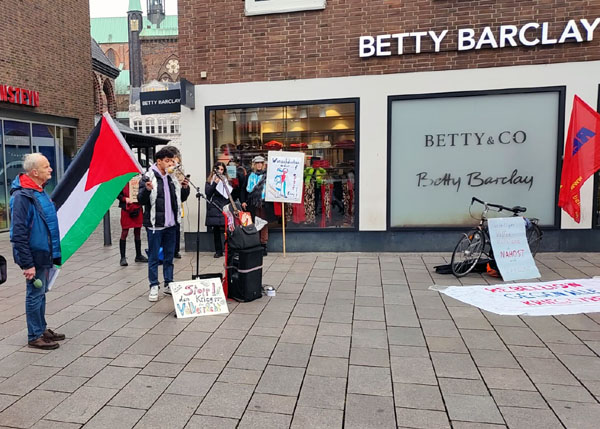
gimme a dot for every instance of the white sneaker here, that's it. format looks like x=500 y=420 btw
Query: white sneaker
x=153 y=296
x=167 y=290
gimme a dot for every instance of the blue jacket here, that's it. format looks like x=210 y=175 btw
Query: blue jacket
x=34 y=230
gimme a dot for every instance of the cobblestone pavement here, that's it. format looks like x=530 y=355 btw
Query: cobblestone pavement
x=350 y=340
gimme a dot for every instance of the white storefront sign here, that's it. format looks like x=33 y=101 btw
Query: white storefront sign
x=529 y=34
x=531 y=299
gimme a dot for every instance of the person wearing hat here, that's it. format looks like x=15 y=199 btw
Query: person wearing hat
x=254 y=198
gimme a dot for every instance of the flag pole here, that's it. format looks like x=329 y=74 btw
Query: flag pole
x=283 y=225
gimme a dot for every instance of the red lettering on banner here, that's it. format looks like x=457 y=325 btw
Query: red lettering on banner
x=11 y=94
x=3 y=93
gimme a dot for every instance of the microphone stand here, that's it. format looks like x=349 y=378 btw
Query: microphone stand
x=199 y=196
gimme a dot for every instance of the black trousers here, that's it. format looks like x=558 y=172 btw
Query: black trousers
x=218 y=238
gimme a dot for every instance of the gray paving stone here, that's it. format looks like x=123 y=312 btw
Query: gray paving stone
x=530 y=418
x=298 y=334
x=454 y=365
x=85 y=367
x=306 y=417
x=6 y=401
x=549 y=371
x=111 y=347
x=150 y=344
x=114 y=377
x=49 y=424
x=412 y=370
x=131 y=361
x=369 y=357
x=226 y=400
x=26 y=380
x=31 y=408
x=446 y=344
x=162 y=369
x=192 y=383
x=335 y=329
x=370 y=338
x=169 y=412
x=141 y=392
x=485 y=340
x=246 y=362
x=494 y=359
x=272 y=403
x=462 y=386
x=328 y=366
x=15 y=362
x=555 y=392
x=401 y=336
x=577 y=414
x=240 y=376
x=409 y=351
x=256 y=420
x=115 y=418
x=363 y=411
x=331 y=346
x=422 y=419
x=61 y=383
x=400 y=315
x=469 y=408
x=256 y=346
x=218 y=349
x=279 y=380
x=518 y=398
x=81 y=405
x=369 y=381
x=210 y=422
x=418 y=396
x=287 y=354
x=506 y=378
x=323 y=392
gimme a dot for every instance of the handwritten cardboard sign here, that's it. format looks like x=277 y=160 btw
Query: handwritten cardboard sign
x=285 y=176
x=511 y=250
x=531 y=299
x=201 y=297
x=134 y=185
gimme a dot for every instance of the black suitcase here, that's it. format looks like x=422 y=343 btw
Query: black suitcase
x=244 y=273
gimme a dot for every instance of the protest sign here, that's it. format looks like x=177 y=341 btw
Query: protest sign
x=531 y=299
x=201 y=297
x=511 y=250
x=285 y=177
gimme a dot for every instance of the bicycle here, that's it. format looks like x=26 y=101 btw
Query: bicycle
x=476 y=243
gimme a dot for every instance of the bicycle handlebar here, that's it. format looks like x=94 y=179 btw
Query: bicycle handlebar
x=516 y=209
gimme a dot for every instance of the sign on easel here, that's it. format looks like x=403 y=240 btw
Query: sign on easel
x=511 y=250
x=285 y=177
x=200 y=297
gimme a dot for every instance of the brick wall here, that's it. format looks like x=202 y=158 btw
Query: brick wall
x=216 y=37
x=46 y=47
x=155 y=53
x=121 y=53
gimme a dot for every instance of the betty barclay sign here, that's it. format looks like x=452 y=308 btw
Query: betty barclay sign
x=202 y=297
x=531 y=299
x=152 y=102
x=11 y=94
x=529 y=34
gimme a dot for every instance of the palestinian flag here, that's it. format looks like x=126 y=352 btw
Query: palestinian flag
x=100 y=170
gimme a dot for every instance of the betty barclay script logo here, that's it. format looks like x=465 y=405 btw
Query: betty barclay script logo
x=474 y=179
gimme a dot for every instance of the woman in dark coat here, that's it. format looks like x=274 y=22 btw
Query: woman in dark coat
x=214 y=215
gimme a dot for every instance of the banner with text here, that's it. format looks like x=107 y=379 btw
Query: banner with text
x=285 y=177
x=511 y=250
x=531 y=299
x=201 y=297
x=447 y=149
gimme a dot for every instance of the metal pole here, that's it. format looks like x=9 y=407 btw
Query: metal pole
x=107 y=240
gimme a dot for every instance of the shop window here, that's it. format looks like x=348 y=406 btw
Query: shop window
x=162 y=126
x=3 y=187
x=137 y=125
x=43 y=140
x=499 y=146
x=174 y=126
x=325 y=133
x=150 y=126
x=262 y=7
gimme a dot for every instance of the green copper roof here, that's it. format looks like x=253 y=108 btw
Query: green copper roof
x=134 y=5
x=122 y=82
x=114 y=30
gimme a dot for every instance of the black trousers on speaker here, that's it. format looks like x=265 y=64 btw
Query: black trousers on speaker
x=244 y=273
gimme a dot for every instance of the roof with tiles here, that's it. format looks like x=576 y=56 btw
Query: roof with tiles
x=115 y=30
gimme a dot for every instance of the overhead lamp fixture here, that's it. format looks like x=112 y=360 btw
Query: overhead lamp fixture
x=322 y=112
x=254 y=116
x=232 y=117
x=303 y=114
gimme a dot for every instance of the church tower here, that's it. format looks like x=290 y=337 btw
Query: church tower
x=135 y=24
x=156 y=12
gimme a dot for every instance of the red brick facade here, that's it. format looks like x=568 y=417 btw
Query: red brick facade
x=155 y=55
x=217 y=37
x=34 y=38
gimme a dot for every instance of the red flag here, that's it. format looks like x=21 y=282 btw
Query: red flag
x=582 y=156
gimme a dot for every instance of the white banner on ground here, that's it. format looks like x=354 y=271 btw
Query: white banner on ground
x=201 y=297
x=511 y=250
x=531 y=299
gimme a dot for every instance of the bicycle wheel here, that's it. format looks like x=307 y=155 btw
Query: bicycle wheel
x=467 y=253
x=534 y=237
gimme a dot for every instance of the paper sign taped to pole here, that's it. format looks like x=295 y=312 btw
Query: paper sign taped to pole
x=200 y=297
x=511 y=250
x=531 y=299
x=285 y=177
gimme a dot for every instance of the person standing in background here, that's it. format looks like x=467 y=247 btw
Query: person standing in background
x=217 y=195
x=35 y=237
x=254 y=198
x=131 y=217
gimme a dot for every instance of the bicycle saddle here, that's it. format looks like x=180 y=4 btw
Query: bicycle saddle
x=519 y=209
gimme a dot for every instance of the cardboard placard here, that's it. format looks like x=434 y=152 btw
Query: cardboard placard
x=200 y=297
x=285 y=177
x=134 y=185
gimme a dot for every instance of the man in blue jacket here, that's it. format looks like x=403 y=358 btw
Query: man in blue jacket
x=36 y=244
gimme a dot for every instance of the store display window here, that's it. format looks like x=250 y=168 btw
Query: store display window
x=325 y=132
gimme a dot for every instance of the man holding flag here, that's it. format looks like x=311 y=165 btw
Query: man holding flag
x=582 y=156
